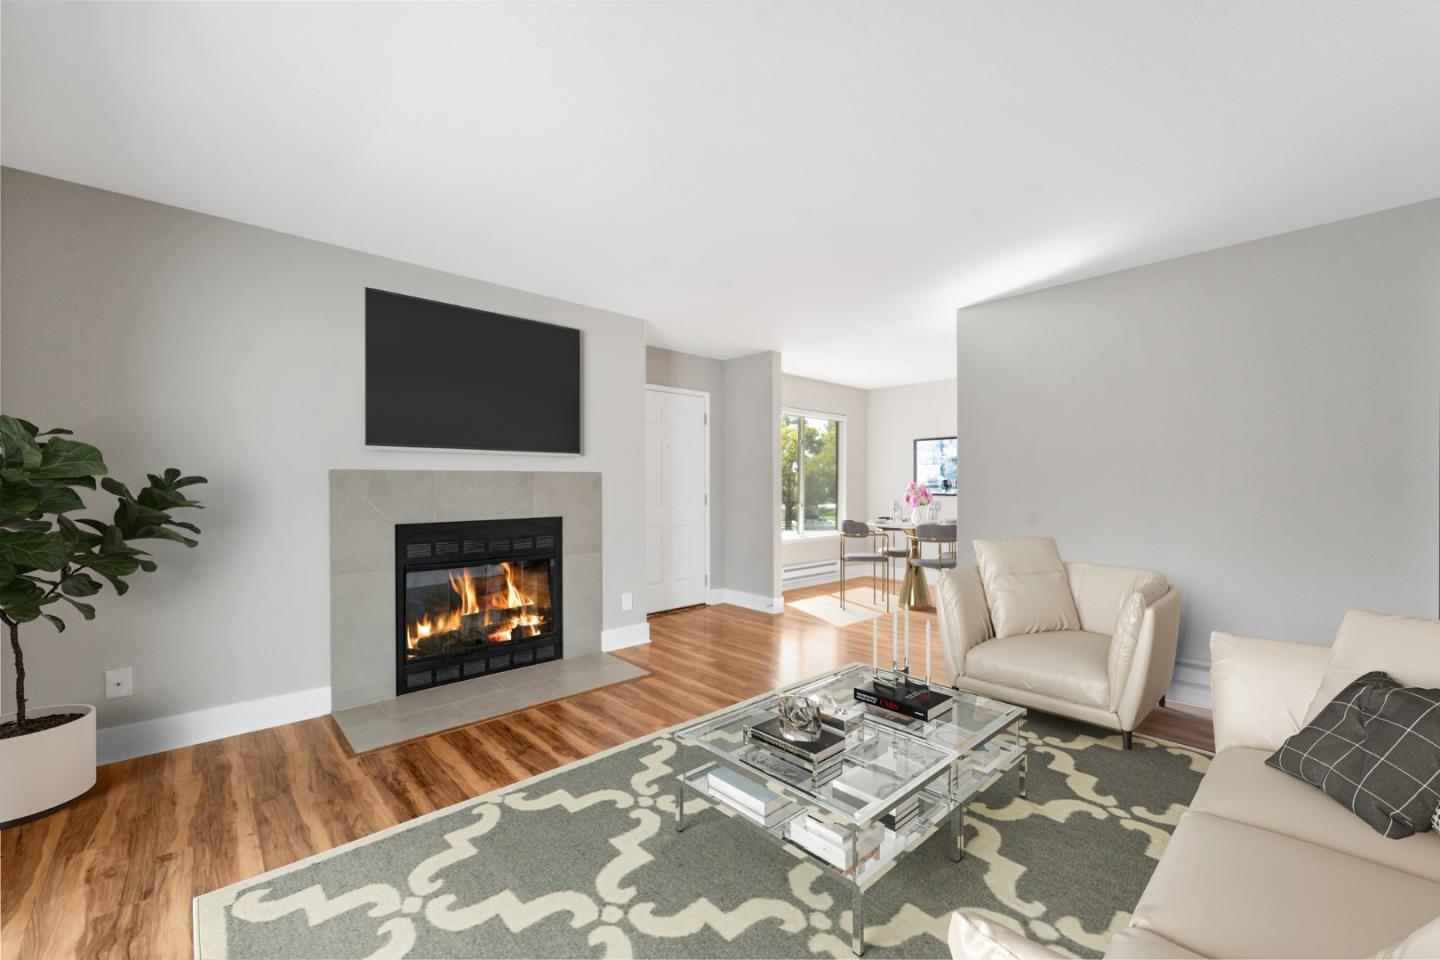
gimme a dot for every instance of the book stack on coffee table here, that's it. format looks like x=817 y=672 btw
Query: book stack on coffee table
x=821 y=757
x=751 y=800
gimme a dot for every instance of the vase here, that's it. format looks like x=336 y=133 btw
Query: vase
x=50 y=767
x=914 y=514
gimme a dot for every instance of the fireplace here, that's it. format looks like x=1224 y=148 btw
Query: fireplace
x=475 y=598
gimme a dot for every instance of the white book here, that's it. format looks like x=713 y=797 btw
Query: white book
x=744 y=792
x=822 y=846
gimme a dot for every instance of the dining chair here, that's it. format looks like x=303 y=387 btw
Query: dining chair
x=944 y=536
x=855 y=530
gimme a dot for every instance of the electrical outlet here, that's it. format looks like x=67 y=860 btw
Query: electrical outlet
x=118 y=683
x=626 y=601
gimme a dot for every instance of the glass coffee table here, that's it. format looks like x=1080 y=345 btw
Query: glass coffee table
x=896 y=781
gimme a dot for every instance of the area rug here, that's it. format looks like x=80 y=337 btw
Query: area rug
x=860 y=605
x=585 y=862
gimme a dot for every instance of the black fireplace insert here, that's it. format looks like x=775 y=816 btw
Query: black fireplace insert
x=475 y=598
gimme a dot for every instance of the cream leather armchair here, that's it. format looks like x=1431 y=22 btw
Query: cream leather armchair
x=1111 y=672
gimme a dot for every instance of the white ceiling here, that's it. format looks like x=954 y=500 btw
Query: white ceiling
x=830 y=180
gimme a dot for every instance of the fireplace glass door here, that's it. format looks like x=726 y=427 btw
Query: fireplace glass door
x=456 y=609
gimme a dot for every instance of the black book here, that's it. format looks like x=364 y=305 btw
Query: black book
x=812 y=752
x=922 y=703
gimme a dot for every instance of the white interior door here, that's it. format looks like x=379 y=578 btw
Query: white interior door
x=677 y=443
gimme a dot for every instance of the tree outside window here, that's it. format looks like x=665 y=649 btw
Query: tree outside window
x=809 y=474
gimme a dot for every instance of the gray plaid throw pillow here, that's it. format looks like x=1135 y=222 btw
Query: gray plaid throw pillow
x=1376 y=749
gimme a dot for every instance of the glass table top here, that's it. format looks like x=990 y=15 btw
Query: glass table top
x=885 y=757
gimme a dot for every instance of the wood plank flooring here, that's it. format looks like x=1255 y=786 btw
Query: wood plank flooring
x=113 y=875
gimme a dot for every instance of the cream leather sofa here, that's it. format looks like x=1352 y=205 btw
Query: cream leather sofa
x=1111 y=671
x=1262 y=864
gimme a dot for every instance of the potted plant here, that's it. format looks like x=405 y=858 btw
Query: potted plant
x=917 y=495
x=49 y=557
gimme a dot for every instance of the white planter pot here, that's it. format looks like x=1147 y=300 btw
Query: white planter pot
x=41 y=771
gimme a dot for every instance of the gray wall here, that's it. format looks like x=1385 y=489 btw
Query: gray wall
x=670 y=368
x=1258 y=422
x=752 y=474
x=169 y=337
x=820 y=396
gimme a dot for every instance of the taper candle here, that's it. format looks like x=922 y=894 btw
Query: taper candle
x=907 y=638
x=927 y=651
x=875 y=644
x=894 y=638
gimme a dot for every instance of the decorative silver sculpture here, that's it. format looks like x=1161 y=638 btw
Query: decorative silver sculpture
x=800 y=717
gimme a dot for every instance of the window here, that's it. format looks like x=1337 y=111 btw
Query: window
x=809 y=474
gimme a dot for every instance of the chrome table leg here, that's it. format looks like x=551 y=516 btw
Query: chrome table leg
x=680 y=788
x=857 y=923
x=1025 y=770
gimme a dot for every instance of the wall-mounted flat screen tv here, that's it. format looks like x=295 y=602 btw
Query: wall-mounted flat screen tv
x=439 y=375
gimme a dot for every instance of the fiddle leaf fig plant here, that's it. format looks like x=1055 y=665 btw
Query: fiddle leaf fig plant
x=51 y=558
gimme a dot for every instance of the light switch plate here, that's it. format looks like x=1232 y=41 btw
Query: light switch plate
x=626 y=601
x=119 y=683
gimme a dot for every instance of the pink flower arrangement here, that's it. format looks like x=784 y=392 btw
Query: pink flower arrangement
x=917 y=494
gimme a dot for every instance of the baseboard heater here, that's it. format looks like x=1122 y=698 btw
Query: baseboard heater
x=819 y=570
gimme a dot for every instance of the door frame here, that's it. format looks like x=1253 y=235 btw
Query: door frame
x=704 y=395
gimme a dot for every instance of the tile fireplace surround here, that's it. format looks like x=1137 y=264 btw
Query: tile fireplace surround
x=365 y=506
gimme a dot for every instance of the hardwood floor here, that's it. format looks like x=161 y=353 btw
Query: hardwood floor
x=114 y=874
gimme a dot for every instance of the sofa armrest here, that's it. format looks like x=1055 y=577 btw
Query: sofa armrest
x=1260 y=689
x=973 y=937
x=1140 y=677
x=964 y=617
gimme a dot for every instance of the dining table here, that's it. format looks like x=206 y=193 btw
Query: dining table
x=914 y=590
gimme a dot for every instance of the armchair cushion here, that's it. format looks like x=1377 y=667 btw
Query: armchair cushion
x=1026 y=586
x=1405 y=648
x=1069 y=665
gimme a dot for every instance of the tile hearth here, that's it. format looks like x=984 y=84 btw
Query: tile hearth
x=387 y=722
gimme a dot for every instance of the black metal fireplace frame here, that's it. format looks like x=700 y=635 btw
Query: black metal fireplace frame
x=437 y=546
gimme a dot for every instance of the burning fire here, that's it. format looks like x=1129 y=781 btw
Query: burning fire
x=515 y=612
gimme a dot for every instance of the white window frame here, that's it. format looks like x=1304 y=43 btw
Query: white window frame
x=840 y=447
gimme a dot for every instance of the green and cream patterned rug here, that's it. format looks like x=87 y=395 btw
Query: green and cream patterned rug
x=585 y=862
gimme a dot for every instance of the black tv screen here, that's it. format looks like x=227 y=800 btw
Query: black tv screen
x=438 y=375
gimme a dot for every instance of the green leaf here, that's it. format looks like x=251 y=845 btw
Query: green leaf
x=19 y=499
x=112 y=564
x=20 y=599
x=7 y=572
x=79 y=585
x=58 y=499
x=33 y=550
x=17 y=439
x=18 y=591
x=58 y=623
x=69 y=458
x=26 y=526
x=86 y=611
x=111 y=485
x=120 y=586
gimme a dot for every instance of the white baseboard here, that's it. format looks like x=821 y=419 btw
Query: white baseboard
x=630 y=635
x=1191 y=683
x=201 y=726
x=750 y=601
